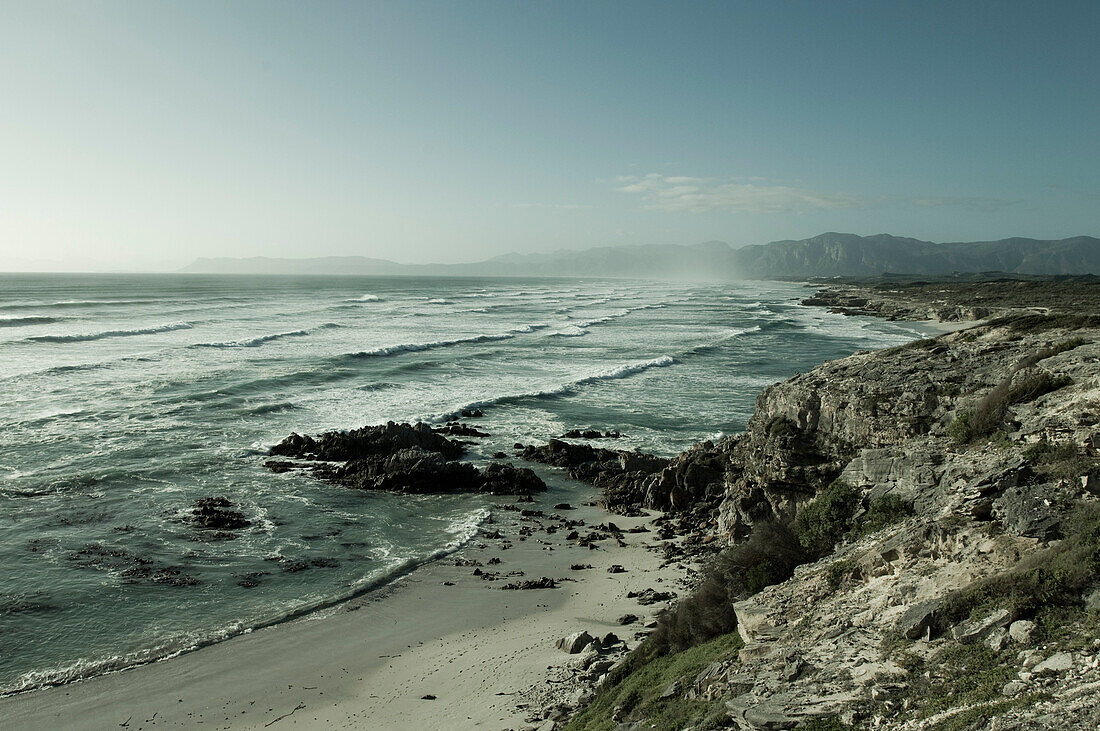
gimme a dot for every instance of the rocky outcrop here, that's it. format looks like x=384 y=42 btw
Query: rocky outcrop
x=623 y=475
x=399 y=458
x=369 y=441
x=889 y=627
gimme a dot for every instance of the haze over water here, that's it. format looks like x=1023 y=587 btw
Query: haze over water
x=126 y=398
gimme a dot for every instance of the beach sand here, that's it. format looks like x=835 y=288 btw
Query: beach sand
x=369 y=662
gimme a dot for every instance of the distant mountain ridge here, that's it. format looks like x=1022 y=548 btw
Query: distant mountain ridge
x=827 y=255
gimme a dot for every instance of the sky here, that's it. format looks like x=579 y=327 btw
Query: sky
x=140 y=135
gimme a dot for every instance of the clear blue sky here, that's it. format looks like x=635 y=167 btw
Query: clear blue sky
x=143 y=134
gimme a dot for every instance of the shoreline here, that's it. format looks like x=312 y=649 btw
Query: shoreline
x=378 y=654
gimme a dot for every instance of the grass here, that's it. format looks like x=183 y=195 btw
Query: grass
x=634 y=695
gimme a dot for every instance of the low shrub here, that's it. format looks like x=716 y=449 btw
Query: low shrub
x=989 y=415
x=768 y=557
x=1034 y=385
x=1054 y=577
x=824 y=521
x=636 y=694
x=1060 y=460
x=882 y=513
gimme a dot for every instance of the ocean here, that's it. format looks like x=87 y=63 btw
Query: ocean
x=125 y=398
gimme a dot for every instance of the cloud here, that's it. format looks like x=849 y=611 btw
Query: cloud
x=758 y=195
x=701 y=195
x=978 y=204
x=555 y=206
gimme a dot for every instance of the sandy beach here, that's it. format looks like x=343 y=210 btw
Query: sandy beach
x=481 y=651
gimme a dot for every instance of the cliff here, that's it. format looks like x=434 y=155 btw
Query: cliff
x=941 y=502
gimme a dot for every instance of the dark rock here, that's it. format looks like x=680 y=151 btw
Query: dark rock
x=472 y=413
x=651 y=596
x=456 y=429
x=580 y=566
x=615 y=569
x=543 y=583
x=216 y=513
x=506 y=479
x=500 y=455
x=563 y=506
x=628 y=619
x=368 y=441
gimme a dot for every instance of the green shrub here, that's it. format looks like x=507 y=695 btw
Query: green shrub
x=768 y=557
x=1054 y=577
x=781 y=426
x=840 y=573
x=824 y=521
x=882 y=513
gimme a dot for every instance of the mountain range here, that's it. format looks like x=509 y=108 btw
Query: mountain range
x=827 y=255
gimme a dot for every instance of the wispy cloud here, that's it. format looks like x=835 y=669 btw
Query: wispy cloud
x=978 y=204
x=759 y=195
x=556 y=206
x=700 y=195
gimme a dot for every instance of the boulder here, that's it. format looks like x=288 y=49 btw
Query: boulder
x=507 y=479
x=1021 y=631
x=368 y=441
x=979 y=629
x=1057 y=663
x=919 y=620
x=575 y=642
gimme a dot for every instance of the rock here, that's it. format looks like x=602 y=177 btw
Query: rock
x=1013 y=688
x=651 y=596
x=368 y=441
x=1021 y=631
x=563 y=506
x=628 y=619
x=500 y=455
x=580 y=566
x=615 y=569
x=574 y=643
x=472 y=413
x=428 y=697
x=455 y=429
x=609 y=639
x=980 y=629
x=543 y=583
x=1057 y=663
x=919 y=620
x=216 y=513
x=413 y=470
x=998 y=639
x=1092 y=599
x=672 y=690
x=506 y=479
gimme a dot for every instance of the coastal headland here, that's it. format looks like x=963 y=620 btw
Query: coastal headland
x=905 y=538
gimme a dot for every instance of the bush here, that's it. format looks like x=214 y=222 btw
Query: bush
x=1054 y=577
x=768 y=557
x=1060 y=460
x=825 y=520
x=990 y=414
x=882 y=513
